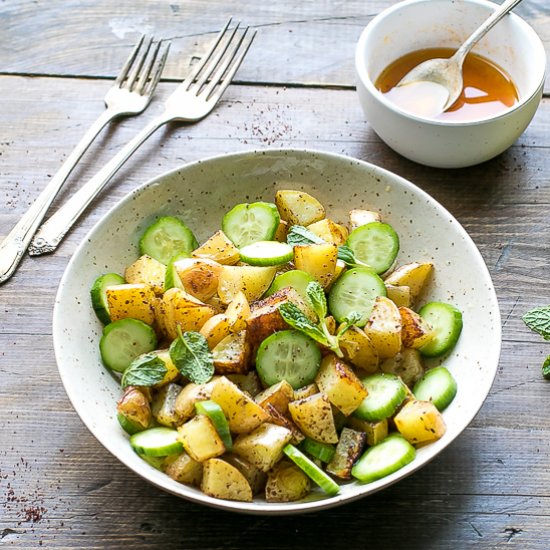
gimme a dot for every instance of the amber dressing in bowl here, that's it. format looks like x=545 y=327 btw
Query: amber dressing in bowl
x=488 y=90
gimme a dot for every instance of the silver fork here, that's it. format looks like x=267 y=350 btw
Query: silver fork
x=130 y=94
x=192 y=100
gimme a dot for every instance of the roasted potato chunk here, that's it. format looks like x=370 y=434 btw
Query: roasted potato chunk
x=358 y=217
x=374 y=431
x=359 y=350
x=255 y=477
x=219 y=249
x=232 y=354
x=215 y=329
x=199 y=277
x=384 y=327
x=415 y=331
x=280 y=419
x=407 y=364
x=298 y=207
x=313 y=415
x=279 y=396
x=222 y=480
x=399 y=295
x=146 y=270
x=329 y=231
x=413 y=275
x=200 y=438
x=420 y=422
x=286 y=483
x=163 y=406
x=319 y=260
x=133 y=301
x=238 y=312
x=134 y=407
x=262 y=447
x=251 y=280
x=191 y=394
x=349 y=449
x=184 y=469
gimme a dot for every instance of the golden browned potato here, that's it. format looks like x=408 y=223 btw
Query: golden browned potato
x=222 y=480
x=171 y=370
x=183 y=468
x=198 y=276
x=219 y=249
x=407 y=364
x=375 y=431
x=242 y=413
x=249 y=382
x=282 y=231
x=349 y=449
x=415 y=331
x=251 y=280
x=305 y=391
x=238 y=312
x=163 y=405
x=200 y=438
x=215 y=329
x=340 y=384
x=191 y=394
x=262 y=447
x=279 y=396
x=255 y=477
x=319 y=260
x=413 y=275
x=359 y=350
x=420 y=422
x=384 y=327
x=313 y=415
x=329 y=231
x=298 y=207
x=134 y=406
x=281 y=420
x=146 y=270
x=399 y=295
x=358 y=217
x=232 y=354
x=286 y=483
x=133 y=301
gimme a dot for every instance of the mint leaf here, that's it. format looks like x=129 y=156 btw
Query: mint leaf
x=295 y=317
x=300 y=235
x=146 y=370
x=190 y=353
x=317 y=298
x=546 y=368
x=538 y=320
x=345 y=253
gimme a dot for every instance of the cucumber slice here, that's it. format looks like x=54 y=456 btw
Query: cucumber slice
x=156 y=442
x=248 y=223
x=383 y=459
x=129 y=426
x=295 y=278
x=446 y=321
x=323 y=451
x=99 y=297
x=355 y=290
x=312 y=470
x=288 y=355
x=167 y=237
x=171 y=278
x=267 y=253
x=386 y=393
x=123 y=341
x=375 y=244
x=438 y=386
x=215 y=413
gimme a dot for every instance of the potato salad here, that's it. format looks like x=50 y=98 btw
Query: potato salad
x=283 y=355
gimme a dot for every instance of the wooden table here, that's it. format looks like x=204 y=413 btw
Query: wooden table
x=58 y=487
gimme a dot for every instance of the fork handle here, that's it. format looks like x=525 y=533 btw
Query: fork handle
x=16 y=242
x=51 y=233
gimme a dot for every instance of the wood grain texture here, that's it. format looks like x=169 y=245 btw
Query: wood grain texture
x=58 y=487
x=299 y=43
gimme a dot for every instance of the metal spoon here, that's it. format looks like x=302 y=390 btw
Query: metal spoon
x=448 y=72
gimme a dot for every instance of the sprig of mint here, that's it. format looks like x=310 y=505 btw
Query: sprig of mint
x=146 y=370
x=319 y=332
x=190 y=354
x=300 y=235
x=538 y=320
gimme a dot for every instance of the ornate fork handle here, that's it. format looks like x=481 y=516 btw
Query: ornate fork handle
x=13 y=247
x=52 y=232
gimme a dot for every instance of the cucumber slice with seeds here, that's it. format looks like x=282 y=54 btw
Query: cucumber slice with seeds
x=386 y=393
x=249 y=223
x=288 y=355
x=355 y=290
x=265 y=253
x=312 y=470
x=215 y=413
x=446 y=320
x=295 y=278
x=99 y=297
x=156 y=442
x=375 y=244
x=385 y=458
x=167 y=237
x=123 y=341
x=438 y=386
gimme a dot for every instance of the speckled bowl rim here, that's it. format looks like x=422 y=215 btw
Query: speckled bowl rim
x=159 y=479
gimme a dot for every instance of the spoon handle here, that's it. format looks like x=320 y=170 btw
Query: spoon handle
x=483 y=29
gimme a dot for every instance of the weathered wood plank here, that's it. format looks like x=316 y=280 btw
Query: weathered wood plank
x=298 y=42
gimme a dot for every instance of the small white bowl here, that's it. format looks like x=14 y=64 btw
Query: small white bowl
x=417 y=24
x=201 y=193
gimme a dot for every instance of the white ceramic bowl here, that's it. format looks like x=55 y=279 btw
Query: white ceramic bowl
x=201 y=193
x=417 y=24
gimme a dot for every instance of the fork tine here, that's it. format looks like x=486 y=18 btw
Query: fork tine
x=150 y=87
x=223 y=76
x=146 y=73
x=204 y=60
x=136 y=69
x=129 y=62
